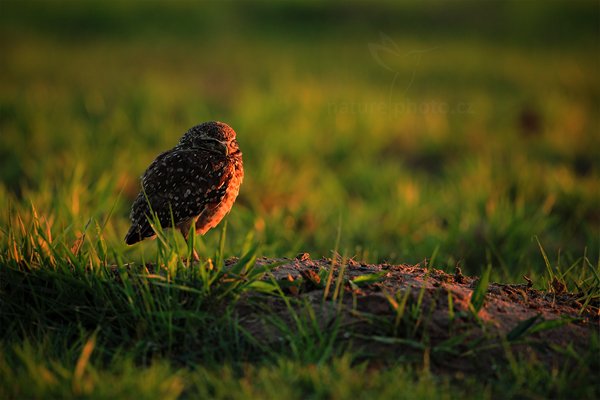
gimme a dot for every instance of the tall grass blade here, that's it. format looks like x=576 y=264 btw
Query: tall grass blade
x=480 y=291
x=522 y=327
x=546 y=261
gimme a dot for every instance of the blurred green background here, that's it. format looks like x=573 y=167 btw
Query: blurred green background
x=462 y=128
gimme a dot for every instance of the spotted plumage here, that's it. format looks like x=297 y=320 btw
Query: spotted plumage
x=196 y=182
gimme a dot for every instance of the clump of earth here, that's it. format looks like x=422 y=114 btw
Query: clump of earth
x=390 y=312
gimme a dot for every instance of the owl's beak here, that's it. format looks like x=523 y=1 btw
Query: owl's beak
x=224 y=146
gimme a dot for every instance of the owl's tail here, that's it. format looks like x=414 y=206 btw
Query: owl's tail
x=138 y=233
x=134 y=235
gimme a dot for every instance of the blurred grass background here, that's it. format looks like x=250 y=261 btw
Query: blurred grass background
x=462 y=128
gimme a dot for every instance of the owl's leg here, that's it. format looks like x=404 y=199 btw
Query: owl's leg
x=195 y=255
x=184 y=228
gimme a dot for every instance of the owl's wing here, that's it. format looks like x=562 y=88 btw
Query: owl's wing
x=181 y=182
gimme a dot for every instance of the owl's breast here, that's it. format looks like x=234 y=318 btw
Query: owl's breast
x=213 y=214
x=233 y=186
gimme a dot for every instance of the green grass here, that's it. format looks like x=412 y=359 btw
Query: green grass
x=476 y=141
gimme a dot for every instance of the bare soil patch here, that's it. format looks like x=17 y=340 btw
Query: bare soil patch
x=391 y=312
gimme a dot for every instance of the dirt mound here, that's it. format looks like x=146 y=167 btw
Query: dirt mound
x=390 y=311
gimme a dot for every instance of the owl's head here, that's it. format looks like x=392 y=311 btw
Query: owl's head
x=213 y=136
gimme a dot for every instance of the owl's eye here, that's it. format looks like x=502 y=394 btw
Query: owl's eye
x=199 y=140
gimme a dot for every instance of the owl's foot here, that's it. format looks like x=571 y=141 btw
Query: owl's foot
x=195 y=255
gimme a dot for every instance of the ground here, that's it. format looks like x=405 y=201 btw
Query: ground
x=443 y=320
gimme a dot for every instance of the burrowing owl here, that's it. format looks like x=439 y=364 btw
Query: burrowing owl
x=196 y=182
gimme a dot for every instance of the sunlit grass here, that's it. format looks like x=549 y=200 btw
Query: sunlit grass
x=424 y=178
